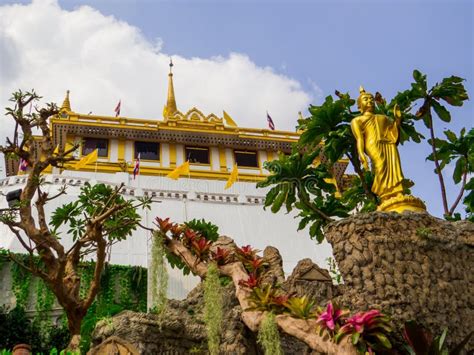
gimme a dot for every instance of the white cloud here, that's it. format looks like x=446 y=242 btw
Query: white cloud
x=101 y=60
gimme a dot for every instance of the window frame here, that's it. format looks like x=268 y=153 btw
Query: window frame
x=83 y=146
x=247 y=152
x=135 y=155
x=198 y=148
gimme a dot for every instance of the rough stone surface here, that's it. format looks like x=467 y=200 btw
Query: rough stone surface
x=274 y=274
x=181 y=329
x=410 y=265
x=309 y=279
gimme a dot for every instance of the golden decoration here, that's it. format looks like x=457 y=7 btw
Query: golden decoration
x=377 y=137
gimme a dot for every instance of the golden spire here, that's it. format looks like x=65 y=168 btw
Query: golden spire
x=170 y=107
x=66 y=103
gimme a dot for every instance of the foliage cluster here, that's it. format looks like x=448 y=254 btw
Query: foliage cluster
x=301 y=180
x=196 y=235
x=122 y=288
x=17 y=328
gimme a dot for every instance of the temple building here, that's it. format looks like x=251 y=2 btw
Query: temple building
x=211 y=144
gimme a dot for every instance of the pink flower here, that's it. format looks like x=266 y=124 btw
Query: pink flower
x=330 y=316
x=360 y=321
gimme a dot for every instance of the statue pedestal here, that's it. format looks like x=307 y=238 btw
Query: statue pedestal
x=402 y=203
x=409 y=265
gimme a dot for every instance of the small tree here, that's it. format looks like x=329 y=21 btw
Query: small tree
x=298 y=183
x=99 y=218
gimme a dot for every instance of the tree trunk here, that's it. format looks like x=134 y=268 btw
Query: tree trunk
x=74 y=321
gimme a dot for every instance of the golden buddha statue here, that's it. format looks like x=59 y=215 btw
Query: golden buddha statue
x=377 y=137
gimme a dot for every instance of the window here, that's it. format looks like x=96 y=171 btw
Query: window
x=246 y=159
x=147 y=150
x=89 y=144
x=197 y=155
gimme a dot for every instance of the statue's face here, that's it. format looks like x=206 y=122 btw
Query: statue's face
x=367 y=103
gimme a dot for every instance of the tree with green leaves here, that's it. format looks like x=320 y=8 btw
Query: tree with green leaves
x=299 y=182
x=99 y=217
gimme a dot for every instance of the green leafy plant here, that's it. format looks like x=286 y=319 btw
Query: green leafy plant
x=303 y=180
x=268 y=336
x=460 y=149
x=300 y=307
x=213 y=304
x=207 y=229
x=262 y=298
x=267 y=298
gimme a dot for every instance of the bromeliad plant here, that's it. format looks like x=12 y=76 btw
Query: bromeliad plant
x=368 y=331
x=300 y=307
x=331 y=319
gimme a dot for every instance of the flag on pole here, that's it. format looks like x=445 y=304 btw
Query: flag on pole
x=117 y=109
x=180 y=170
x=233 y=177
x=23 y=165
x=88 y=159
x=271 y=125
x=136 y=169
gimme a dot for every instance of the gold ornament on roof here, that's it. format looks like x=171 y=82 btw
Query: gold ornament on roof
x=377 y=138
x=170 y=108
x=66 y=106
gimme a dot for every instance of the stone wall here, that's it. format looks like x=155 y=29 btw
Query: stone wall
x=411 y=266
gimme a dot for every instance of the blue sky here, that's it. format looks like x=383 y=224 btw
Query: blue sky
x=320 y=45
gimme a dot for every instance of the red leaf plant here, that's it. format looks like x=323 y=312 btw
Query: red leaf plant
x=251 y=282
x=176 y=230
x=255 y=265
x=246 y=253
x=200 y=247
x=164 y=224
x=221 y=256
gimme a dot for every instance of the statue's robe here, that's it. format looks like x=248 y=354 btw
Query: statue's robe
x=380 y=144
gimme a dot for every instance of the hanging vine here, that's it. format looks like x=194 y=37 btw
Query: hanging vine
x=21 y=280
x=43 y=307
x=122 y=288
x=158 y=274
x=213 y=308
x=268 y=336
x=86 y=274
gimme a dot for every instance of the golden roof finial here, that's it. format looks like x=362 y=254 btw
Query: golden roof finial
x=66 y=103
x=170 y=107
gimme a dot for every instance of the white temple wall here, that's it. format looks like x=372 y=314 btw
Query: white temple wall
x=234 y=211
